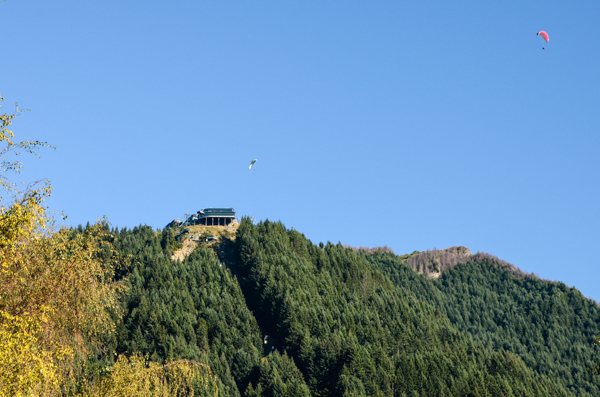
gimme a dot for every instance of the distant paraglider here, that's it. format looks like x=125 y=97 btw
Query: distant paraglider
x=251 y=164
x=544 y=36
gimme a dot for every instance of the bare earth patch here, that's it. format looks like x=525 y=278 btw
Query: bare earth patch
x=199 y=233
x=188 y=247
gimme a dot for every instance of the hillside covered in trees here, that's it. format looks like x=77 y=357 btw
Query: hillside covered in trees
x=273 y=314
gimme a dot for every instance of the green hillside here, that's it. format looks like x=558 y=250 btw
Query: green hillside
x=275 y=315
x=550 y=326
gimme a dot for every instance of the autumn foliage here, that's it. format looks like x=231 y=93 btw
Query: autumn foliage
x=59 y=302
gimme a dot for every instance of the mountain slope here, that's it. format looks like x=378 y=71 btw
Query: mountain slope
x=550 y=326
x=354 y=332
x=339 y=322
x=192 y=309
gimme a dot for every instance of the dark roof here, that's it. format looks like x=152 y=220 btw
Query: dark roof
x=211 y=212
x=216 y=212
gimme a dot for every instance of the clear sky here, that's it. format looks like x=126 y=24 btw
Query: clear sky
x=416 y=125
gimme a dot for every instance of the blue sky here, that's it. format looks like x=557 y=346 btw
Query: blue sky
x=416 y=125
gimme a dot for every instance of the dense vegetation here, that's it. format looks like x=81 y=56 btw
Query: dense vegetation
x=193 y=309
x=352 y=331
x=550 y=326
x=345 y=322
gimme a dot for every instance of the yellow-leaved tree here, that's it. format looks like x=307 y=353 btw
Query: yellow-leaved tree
x=59 y=301
x=56 y=293
x=136 y=376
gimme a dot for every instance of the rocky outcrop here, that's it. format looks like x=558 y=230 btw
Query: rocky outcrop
x=435 y=262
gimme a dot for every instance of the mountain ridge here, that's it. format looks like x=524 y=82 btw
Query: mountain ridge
x=343 y=321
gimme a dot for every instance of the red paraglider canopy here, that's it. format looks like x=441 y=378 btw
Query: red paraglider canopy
x=544 y=35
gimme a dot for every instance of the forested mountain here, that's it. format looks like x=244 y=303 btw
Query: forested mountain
x=550 y=326
x=284 y=317
x=192 y=309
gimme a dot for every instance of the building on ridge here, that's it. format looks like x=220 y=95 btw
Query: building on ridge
x=211 y=217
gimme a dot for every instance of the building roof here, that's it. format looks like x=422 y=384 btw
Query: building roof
x=208 y=213
x=205 y=212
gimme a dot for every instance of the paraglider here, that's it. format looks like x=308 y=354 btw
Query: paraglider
x=544 y=36
x=251 y=164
